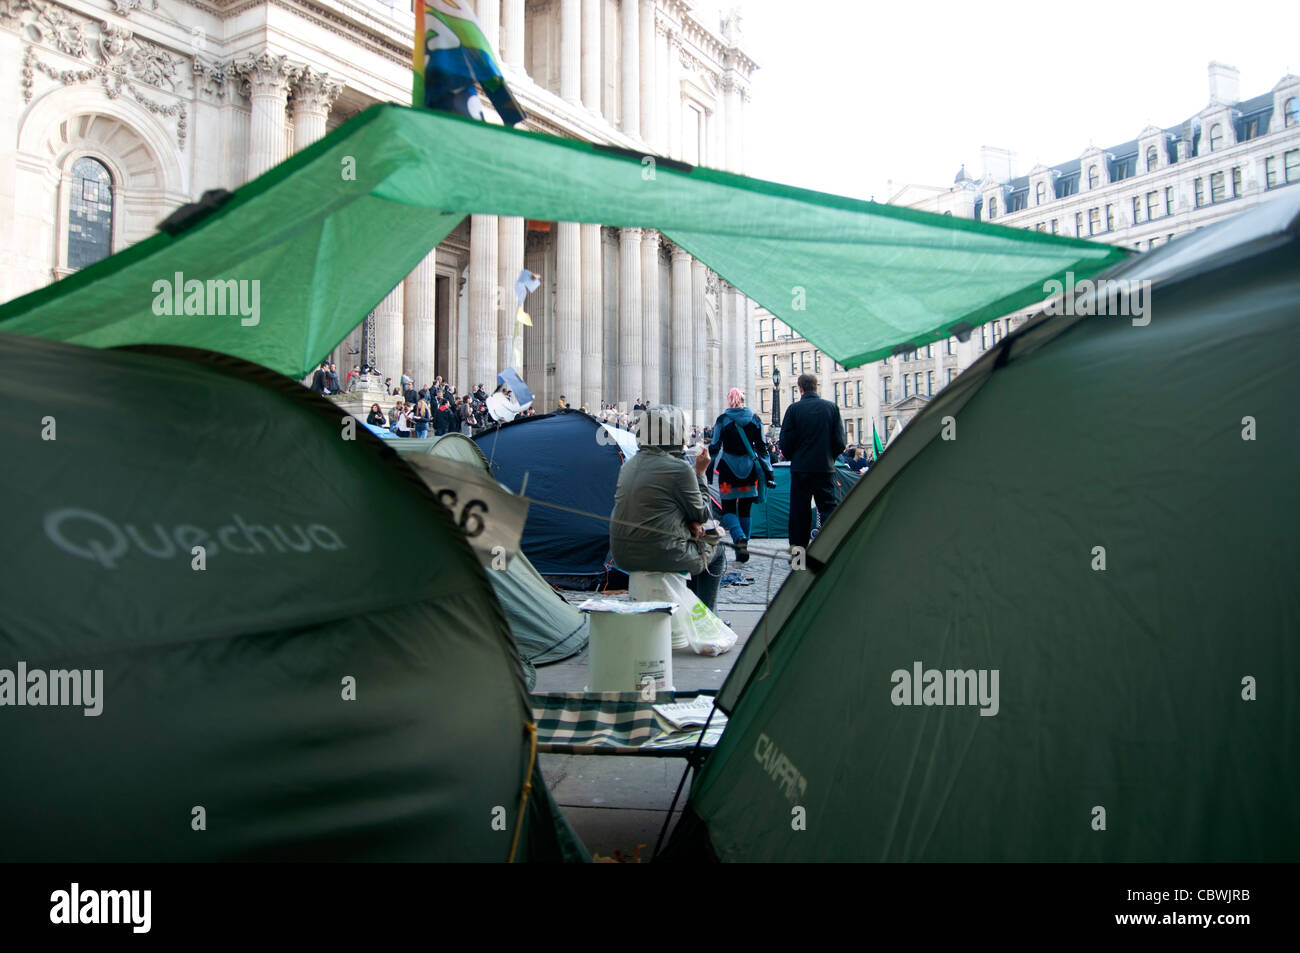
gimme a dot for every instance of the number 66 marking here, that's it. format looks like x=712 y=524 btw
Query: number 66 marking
x=471 y=518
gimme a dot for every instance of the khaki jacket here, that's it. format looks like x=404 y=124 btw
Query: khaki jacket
x=656 y=496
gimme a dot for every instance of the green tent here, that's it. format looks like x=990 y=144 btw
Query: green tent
x=1145 y=706
x=770 y=516
x=281 y=272
x=296 y=689
x=545 y=627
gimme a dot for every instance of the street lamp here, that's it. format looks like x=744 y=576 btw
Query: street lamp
x=776 y=397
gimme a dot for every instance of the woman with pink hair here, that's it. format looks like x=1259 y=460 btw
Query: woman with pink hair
x=739 y=452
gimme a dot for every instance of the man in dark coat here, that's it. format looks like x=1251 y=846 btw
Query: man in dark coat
x=320 y=380
x=812 y=436
x=332 y=378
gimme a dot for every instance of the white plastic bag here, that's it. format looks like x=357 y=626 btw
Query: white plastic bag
x=693 y=626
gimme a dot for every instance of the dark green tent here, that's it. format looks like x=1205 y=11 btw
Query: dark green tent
x=311 y=691
x=1145 y=711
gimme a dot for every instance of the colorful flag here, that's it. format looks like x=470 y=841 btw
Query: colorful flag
x=450 y=56
x=525 y=283
x=877 y=448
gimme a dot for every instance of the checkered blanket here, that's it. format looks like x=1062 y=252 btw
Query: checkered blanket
x=614 y=723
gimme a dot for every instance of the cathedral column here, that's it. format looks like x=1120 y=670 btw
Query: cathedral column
x=630 y=317
x=388 y=335
x=512 y=33
x=683 y=380
x=700 y=346
x=489 y=21
x=650 y=316
x=570 y=50
x=630 y=120
x=510 y=262
x=648 y=57
x=419 y=325
x=268 y=87
x=591 y=54
x=483 y=302
x=313 y=97
x=593 y=320
x=673 y=100
x=568 y=312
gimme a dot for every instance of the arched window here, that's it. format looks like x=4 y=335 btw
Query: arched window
x=993 y=208
x=1093 y=178
x=90 y=213
x=1291 y=113
x=1152 y=158
x=1040 y=194
x=1216 y=137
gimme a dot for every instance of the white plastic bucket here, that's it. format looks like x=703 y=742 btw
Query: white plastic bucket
x=654 y=586
x=629 y=649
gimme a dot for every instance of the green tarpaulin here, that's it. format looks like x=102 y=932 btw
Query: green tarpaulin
x=283 y=271
x=1098 y=565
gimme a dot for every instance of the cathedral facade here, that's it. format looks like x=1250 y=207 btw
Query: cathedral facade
x=118 y=111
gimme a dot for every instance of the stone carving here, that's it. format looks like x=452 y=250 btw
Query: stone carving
x=312 y=90
x=127 y=7
x=210 y=78
x=112 y=55
x=731 y=26
x=263 y=73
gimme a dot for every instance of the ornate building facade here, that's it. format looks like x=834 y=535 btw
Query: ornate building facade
x=1229 y=156
x=118 y=111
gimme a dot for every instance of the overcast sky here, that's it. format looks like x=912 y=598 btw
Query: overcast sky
x=853 y=94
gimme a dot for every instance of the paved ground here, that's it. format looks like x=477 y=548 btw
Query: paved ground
x=616 y=804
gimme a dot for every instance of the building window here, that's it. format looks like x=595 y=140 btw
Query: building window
x=885 y=396
x=792 y=368
x=1137 y=209
x=1270 y=172
x=762 y=365
x=692 y=135
x=993 y=208
x=949 y=372
x=1067 y=185
x=1218 y=192
x=907 y=355
x=1018 y=201
x=1078 y=224
x=918 y=385
x=1169 y=200
x=997 y=331
x=817 y=362
x=90 y=213
x=762 y=400
x=858 y=391
x=1153 y=205
x=794 y=393
x=907 y=386
x=837 y=395
x=1153 y=158
x=1216 y=137
x=1055 y=226
x=984 y=337
x=1094 y=221
x=1291 y=113
x=1093 y=177
x=1040 y=193
x=1236 y=182
x=952 y=345
x=1110 y=218
x=1200 y=192
x=1291 y=163
x=929 y=383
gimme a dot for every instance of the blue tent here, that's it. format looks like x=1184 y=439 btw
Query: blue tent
x=570 y=461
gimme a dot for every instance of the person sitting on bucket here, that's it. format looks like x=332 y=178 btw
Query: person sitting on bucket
x=660 y=506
